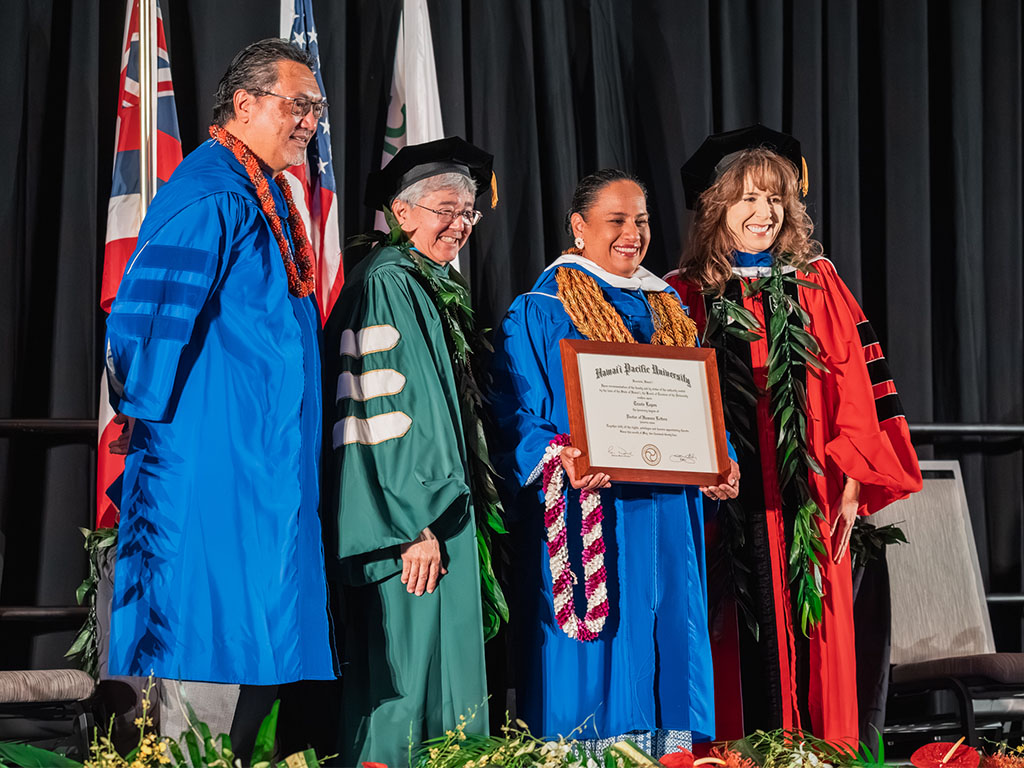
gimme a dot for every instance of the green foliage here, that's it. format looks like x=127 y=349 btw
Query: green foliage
x=872 y=760
x=791 y=349
x=151 y=751
x=728 y=317
x=516 y=747
x=867 y=541
x=84 y=651
x=793 y=749
x=27 y=756
x=465 y=343
x=263 y=748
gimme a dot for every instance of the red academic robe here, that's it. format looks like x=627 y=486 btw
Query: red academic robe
x=856 y=428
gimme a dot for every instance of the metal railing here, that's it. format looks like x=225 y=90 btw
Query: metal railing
x=967 y=430
x=65 y=430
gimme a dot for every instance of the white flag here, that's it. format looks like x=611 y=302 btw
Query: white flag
x=414 y=110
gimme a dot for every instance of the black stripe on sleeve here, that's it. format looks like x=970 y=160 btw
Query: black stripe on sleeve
x=867 y=333
x=888 y=407
x=879 y=371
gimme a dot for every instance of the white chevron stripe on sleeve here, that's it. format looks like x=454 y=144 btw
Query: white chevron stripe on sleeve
x=375 y=338
x=376 y=383
x=371 y=431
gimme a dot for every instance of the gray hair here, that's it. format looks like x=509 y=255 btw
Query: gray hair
x=253 y=69
x=456 y=181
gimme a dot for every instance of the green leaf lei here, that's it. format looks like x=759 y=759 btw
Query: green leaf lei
x=790 y=348
x=451 y=297
x=85 y=650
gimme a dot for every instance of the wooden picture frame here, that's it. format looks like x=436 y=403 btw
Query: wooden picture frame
x=645 y=413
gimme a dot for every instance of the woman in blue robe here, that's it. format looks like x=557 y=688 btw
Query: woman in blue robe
x=648 y=672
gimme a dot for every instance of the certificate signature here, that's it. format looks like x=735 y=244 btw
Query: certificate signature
x=681 y=458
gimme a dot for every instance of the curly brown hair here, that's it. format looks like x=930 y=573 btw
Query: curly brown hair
x=708 y=257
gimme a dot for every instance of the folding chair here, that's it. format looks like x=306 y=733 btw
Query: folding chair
x=941 y=633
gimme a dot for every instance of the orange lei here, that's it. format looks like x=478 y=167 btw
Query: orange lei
x=301 y=278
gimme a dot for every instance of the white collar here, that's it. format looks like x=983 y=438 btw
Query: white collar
x=642 y=279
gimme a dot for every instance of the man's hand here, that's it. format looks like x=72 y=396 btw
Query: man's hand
x=846 y=515
x=421 y=563
x=119 y=446
x=730 y=489
x=587 y=482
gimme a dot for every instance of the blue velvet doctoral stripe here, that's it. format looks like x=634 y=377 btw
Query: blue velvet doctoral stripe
x=157 y=327
x=165 y=292
x=176 y=258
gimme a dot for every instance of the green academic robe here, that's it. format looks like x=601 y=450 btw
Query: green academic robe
x=398 y=464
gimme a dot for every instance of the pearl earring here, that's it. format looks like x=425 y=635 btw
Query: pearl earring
x=579 y=243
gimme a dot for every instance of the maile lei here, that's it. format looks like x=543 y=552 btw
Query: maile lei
x=790 y=348
x=451 y=298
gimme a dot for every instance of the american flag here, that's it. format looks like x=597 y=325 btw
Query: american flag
x=124 y=212
x=313 y=183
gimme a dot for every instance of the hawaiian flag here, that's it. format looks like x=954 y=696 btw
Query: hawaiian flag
x=124 y=212
x=312 y=184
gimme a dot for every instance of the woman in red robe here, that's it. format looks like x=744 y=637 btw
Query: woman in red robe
x=817 y=423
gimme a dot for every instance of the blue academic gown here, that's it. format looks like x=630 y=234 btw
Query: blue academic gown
x=220 y=573
x=650 y=668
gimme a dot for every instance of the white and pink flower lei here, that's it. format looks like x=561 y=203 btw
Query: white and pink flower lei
x=562 y=577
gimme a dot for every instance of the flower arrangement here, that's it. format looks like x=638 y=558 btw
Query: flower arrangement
x=516 y=747
x=196 y=748
x=1005 y=757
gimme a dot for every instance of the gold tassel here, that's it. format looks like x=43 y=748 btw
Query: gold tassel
x=804 y=184
x=494 y=190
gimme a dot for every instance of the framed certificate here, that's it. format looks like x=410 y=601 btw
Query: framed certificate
x=644 y=413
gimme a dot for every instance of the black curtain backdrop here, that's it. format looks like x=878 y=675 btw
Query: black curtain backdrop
x=909 y=114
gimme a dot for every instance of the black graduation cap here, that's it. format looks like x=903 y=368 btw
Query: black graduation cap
x=416 y=162
x=715 y=155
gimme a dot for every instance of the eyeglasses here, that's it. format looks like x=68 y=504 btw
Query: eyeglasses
x=301 y=106
x=471 y=218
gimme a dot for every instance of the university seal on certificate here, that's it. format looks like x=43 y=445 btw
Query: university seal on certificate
x=644 y=413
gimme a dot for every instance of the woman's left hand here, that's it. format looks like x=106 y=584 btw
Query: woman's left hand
x=730 y=489
x=846 y=516
x=591 y=482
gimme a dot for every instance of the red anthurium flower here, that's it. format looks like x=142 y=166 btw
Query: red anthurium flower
x=940 y=754
x=681 y=759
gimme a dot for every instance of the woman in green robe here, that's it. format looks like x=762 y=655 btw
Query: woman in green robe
x=398 y=467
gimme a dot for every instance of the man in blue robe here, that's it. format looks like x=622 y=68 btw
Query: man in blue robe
x=213 y=356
